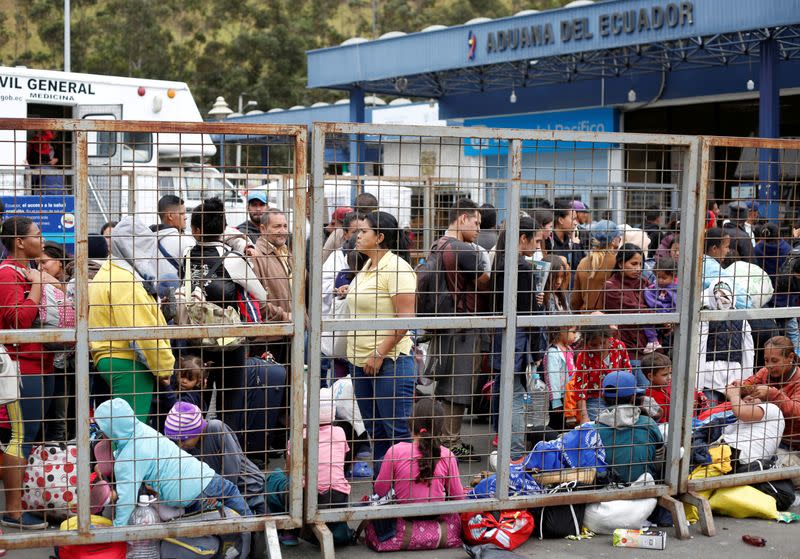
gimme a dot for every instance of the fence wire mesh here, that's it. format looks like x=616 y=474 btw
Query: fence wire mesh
x=464 y=319
x=152 y=344
x=488 y=283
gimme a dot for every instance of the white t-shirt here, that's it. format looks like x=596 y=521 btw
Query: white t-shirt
x=756 y=440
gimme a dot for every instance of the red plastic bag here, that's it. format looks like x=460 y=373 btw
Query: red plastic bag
x=506 y=529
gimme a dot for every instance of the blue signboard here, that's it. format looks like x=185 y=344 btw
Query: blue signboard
x=584 y=120
x=55 y=215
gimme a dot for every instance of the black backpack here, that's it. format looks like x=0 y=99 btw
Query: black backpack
x=433 y=294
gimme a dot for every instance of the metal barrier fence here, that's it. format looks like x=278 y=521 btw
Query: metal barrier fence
x=482 y=358
x=658 y=301
x=506 y=167
x=764 y=302
x=146 y=327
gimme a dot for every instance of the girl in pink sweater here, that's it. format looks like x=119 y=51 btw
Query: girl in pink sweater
x=422 y=470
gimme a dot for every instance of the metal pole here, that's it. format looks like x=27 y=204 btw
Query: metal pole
x=67 y=37
x=510 y=309
x=769 y=126
x=298 y=320
x=687 y=342
x=82 y=393
x=317 y=190
x=239 y=143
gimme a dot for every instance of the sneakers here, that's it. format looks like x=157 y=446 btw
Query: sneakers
x=464 y=453
x=288 y=538
x=25 y=522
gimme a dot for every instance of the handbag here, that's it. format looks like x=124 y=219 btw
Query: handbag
x=504 y=529
x=443 y=532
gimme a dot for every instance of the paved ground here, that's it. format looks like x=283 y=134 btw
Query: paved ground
x=782 y=543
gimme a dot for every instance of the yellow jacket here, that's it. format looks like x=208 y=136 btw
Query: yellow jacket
x=118 y=300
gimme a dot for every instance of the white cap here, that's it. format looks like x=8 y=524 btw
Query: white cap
x=144 y=499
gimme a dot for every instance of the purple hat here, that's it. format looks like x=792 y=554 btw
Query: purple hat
x=579 y=206
x=184 y=421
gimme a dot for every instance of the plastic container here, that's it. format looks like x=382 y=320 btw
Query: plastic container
x=144 y=515
x=537 y=403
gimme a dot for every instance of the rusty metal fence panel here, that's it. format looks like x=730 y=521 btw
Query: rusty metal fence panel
x=418 y=174
x=754 y=182
x=75 y=184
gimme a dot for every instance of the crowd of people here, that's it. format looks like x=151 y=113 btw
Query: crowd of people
x=208 y=414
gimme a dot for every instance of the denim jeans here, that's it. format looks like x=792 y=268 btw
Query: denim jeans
x=385 y=401
x=518 y=426
x=224 y=491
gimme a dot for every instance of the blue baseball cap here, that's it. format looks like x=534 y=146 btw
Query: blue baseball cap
x=259 y=195
x=752 y=205
x=620 y=384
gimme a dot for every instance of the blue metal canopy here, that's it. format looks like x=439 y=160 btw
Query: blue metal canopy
x=604 y=40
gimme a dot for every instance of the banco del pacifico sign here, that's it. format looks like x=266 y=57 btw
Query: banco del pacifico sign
x=608 y=24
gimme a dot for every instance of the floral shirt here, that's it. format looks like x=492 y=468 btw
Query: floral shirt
x=592 y=368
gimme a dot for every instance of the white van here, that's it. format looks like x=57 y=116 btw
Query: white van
x=128 y=172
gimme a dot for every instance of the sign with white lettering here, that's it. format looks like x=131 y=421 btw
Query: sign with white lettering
x=585 y=120
x=569 y=31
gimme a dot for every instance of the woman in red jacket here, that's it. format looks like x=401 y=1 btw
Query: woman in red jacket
x=20 y=299
x=624 y=293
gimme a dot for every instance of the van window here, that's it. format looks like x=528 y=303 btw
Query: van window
x=137 y=147
x=209 y=186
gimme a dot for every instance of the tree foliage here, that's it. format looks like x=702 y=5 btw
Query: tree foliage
x=219 y=47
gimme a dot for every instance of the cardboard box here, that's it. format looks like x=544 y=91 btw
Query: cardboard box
x=642 y=539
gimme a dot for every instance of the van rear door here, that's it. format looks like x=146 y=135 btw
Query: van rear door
x=107 y=201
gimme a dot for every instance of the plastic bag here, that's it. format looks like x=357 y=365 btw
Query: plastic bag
x=604 y=518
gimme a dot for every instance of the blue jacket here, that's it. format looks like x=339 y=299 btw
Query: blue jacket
x=143 y=455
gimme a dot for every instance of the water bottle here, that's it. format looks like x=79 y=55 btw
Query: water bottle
x=537 y=403
x=143 y=515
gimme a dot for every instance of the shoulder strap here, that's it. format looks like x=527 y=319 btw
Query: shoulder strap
x=12 y=267
x=167 y=256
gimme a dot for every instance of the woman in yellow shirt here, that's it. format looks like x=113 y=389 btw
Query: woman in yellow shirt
x=383 y=368
x=122 y=295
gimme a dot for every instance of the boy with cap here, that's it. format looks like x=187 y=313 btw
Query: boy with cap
x=214 y=443
x=633 y=442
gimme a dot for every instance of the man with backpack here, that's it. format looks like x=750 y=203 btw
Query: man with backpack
x=172 y=242
x=448 y=284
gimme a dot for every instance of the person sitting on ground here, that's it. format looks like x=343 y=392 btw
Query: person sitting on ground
x=214 y=443
x=756 y=434
x=423 y=470
x=632 y=440
x=146 y=457
x=333 y=489
x=779 y=383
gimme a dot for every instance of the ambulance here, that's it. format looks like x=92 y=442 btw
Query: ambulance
x=128 y=171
